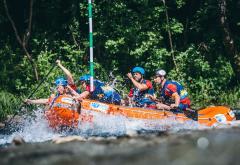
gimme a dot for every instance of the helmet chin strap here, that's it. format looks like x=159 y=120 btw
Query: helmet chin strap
x=141 y=79
x=162 y=80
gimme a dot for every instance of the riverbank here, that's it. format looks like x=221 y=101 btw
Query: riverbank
x=215 y=146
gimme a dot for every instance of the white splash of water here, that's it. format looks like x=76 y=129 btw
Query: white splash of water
x=103 y=125
x=35 y=127
x=168 y=124
x=113 y=125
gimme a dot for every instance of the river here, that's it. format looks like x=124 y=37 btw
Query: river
x=119 y=140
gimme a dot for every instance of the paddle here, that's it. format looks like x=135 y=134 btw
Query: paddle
x=190 y=113
x=33 y=92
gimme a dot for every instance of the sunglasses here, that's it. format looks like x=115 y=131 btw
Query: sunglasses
x=136 y=73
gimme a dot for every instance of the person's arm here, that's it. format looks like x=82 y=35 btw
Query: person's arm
x=138 y=85
x=172 y=92
x=152 y=97
x=162 y=106
x=73 y=92
x=66 y=71
x=84 y=94
x=176 y=99
x=37 y=101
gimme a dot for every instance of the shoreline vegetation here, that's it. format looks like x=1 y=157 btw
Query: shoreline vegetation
x=196 y=42
x=10 y=104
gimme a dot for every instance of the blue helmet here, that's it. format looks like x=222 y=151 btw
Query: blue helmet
x=61 y=81
x=139 y=70
x=85 y=77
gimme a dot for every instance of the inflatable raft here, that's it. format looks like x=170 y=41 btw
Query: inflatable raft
x=63 y=112
x=209 y=116
x=63 y=115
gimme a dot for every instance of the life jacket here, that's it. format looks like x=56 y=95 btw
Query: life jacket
x=105 y=93
x=167 y=91
x=63 y=111
x=64 y=102
x=139 y=96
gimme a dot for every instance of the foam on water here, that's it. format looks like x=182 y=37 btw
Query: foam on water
x=103 y=125
x=35 y=128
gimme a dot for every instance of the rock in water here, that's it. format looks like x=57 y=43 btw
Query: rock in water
x=18 y=140
x=59 y=140
x=131 y=133
x=2 y=125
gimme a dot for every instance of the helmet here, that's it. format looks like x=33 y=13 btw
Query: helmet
x=85 y=77
x=61 y=81
x=160 y=72
x=138 y=69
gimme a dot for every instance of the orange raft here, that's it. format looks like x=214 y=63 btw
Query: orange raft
x=208 y=116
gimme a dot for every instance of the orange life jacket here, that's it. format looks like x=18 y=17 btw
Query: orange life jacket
x=63 y=111
x=63 y=102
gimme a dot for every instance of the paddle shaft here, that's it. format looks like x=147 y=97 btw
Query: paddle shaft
x=190 y=113
x=23 y=103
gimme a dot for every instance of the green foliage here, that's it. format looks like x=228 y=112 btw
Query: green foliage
x=175 y=27
x=8 y=104
x=113 y=45
x=126 y=34
x=12 y=72
x=230 y=98
x=205 y=81
x=159 y=59
x=180 y=3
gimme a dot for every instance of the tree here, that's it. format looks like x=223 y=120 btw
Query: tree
x=23 y=41
x=228 y=40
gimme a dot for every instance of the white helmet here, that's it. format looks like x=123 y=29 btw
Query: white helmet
x=160 y=72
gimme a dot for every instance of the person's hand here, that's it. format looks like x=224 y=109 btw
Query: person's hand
x=173 y=105
x=69 y=87
x=130 y=75
x=28 y=101
x=150 y=97
x=58 y=62
x=159 y=106
x=79 y=99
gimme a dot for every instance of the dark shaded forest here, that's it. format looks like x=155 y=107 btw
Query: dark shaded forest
x=195 y=41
